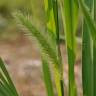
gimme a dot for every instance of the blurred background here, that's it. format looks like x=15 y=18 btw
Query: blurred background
x=21 y=54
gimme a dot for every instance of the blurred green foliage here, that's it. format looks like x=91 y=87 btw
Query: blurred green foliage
x=29 y=6
x=33 y=7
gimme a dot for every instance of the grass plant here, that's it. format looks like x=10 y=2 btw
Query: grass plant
x=52 y=64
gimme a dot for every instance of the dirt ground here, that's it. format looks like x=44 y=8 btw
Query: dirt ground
x=23 y=62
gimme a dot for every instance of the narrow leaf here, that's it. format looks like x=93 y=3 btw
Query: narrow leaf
x=6 y=83
x=47 y=77
x=87 y=72
x=94 y=53
x=70 y=18
x=87 y=66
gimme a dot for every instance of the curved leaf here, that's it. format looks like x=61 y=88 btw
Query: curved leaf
x=7 y=87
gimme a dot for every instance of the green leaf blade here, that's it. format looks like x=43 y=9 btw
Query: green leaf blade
x=88 y=51
x=47 y=77
x=6 y=83
x=87 y=72
x=70 y=18
x=94 y=53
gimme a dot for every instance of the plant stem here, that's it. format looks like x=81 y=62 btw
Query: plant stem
x=55 y=8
